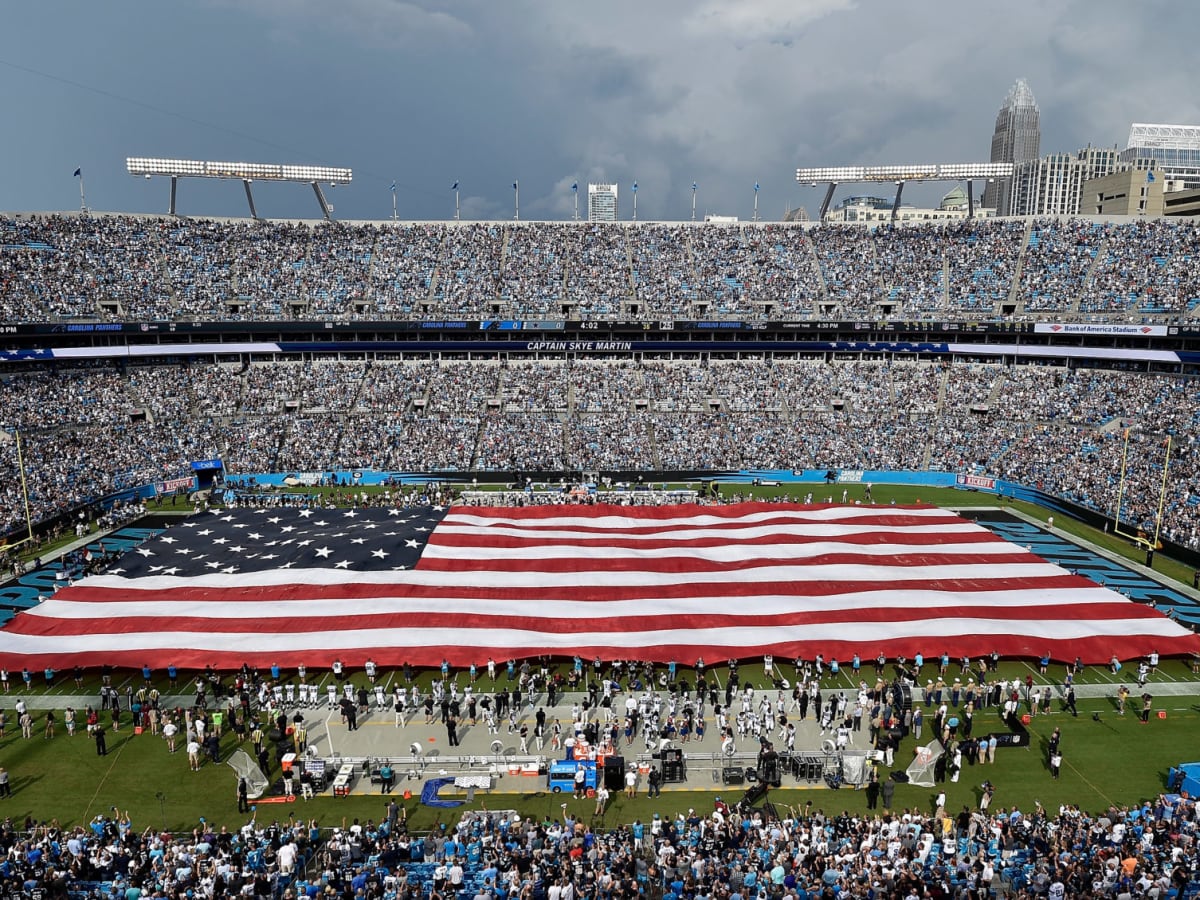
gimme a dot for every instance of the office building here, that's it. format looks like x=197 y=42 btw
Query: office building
x=1172 y=150
x=1053 y=185
x=602 y=203
x=1128 y=192
x=1017 y=139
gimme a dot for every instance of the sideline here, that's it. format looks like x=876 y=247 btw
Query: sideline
x=87 y=813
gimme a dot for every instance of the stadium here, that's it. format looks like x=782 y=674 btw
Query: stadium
x=656 y=418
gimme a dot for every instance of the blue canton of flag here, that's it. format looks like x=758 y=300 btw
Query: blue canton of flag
x=238 y=541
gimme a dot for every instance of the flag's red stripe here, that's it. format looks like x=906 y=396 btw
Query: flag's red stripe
x=1092 y=650
x=684 y=563
x=844 y=514
x=482 y=539
x=635 y=526
x=84 y=592
x=463 y=622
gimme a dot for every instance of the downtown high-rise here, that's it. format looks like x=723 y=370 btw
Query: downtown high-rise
x=1017 y=139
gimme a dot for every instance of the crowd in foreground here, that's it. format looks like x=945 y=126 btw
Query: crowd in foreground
x=729 y=853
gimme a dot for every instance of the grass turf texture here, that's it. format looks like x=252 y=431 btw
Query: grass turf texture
x=1115 y=760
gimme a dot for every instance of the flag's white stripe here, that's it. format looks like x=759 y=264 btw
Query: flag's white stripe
x=727 y=553
x=784 y=515
x=691 y=534
x=488 y=639
x=583 y=579
x=767 y=605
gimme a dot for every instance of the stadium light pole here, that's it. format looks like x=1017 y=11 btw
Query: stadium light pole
x=635 y=201
x=394 y=201
x=457 y=209
x=517 y=201
x=756 y=201
x=575 y=191
x=693 y=201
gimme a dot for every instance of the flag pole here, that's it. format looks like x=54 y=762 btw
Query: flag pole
x=82 y=197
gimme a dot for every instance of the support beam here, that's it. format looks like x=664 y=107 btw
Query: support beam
x=326 y=209
x=828 y=199
x=249 y=198
x=174 y=187
x=896 y=202
x=970 y=199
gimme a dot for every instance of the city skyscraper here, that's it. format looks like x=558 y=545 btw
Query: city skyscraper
x=1017 y=139
x=602 y=203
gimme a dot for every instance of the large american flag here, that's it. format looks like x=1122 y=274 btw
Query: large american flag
x=463 y=584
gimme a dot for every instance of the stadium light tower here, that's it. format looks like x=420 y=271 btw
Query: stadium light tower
x=835 y=175
x=245 y=172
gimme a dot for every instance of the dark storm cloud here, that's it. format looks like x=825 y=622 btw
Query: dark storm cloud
x=665 y=93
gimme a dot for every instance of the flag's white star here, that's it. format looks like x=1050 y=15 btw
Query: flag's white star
x=305 y=513
x=358 y=540
x=286 y=528
x=350 y=514
x=399 y=568
x=393 y=512
x=286 y=565
x=344 y=564
x=229 y=570
x=183 y=551
x=254 y=535
x=174 y=570
x=411 y=543
x=157 y=568
x=300 y=543
x=220 y=540
x=144 y=552
x=236 y=549
x=213 y=565
x=227 y=518
x=321 y=524
x=270 y=556
x=380 y=554
x=206 y=532
x=274 y=520
x=116 y=571
x=324 y=552
x=167 y=540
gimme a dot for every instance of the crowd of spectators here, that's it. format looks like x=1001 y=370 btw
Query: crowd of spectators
x=97 y=429
x=734 y=851
x=110 y=858
x=152 y=269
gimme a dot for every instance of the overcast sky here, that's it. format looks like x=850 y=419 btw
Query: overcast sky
x=725 y=93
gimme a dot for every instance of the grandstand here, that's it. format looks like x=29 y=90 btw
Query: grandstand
x=137 y=268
